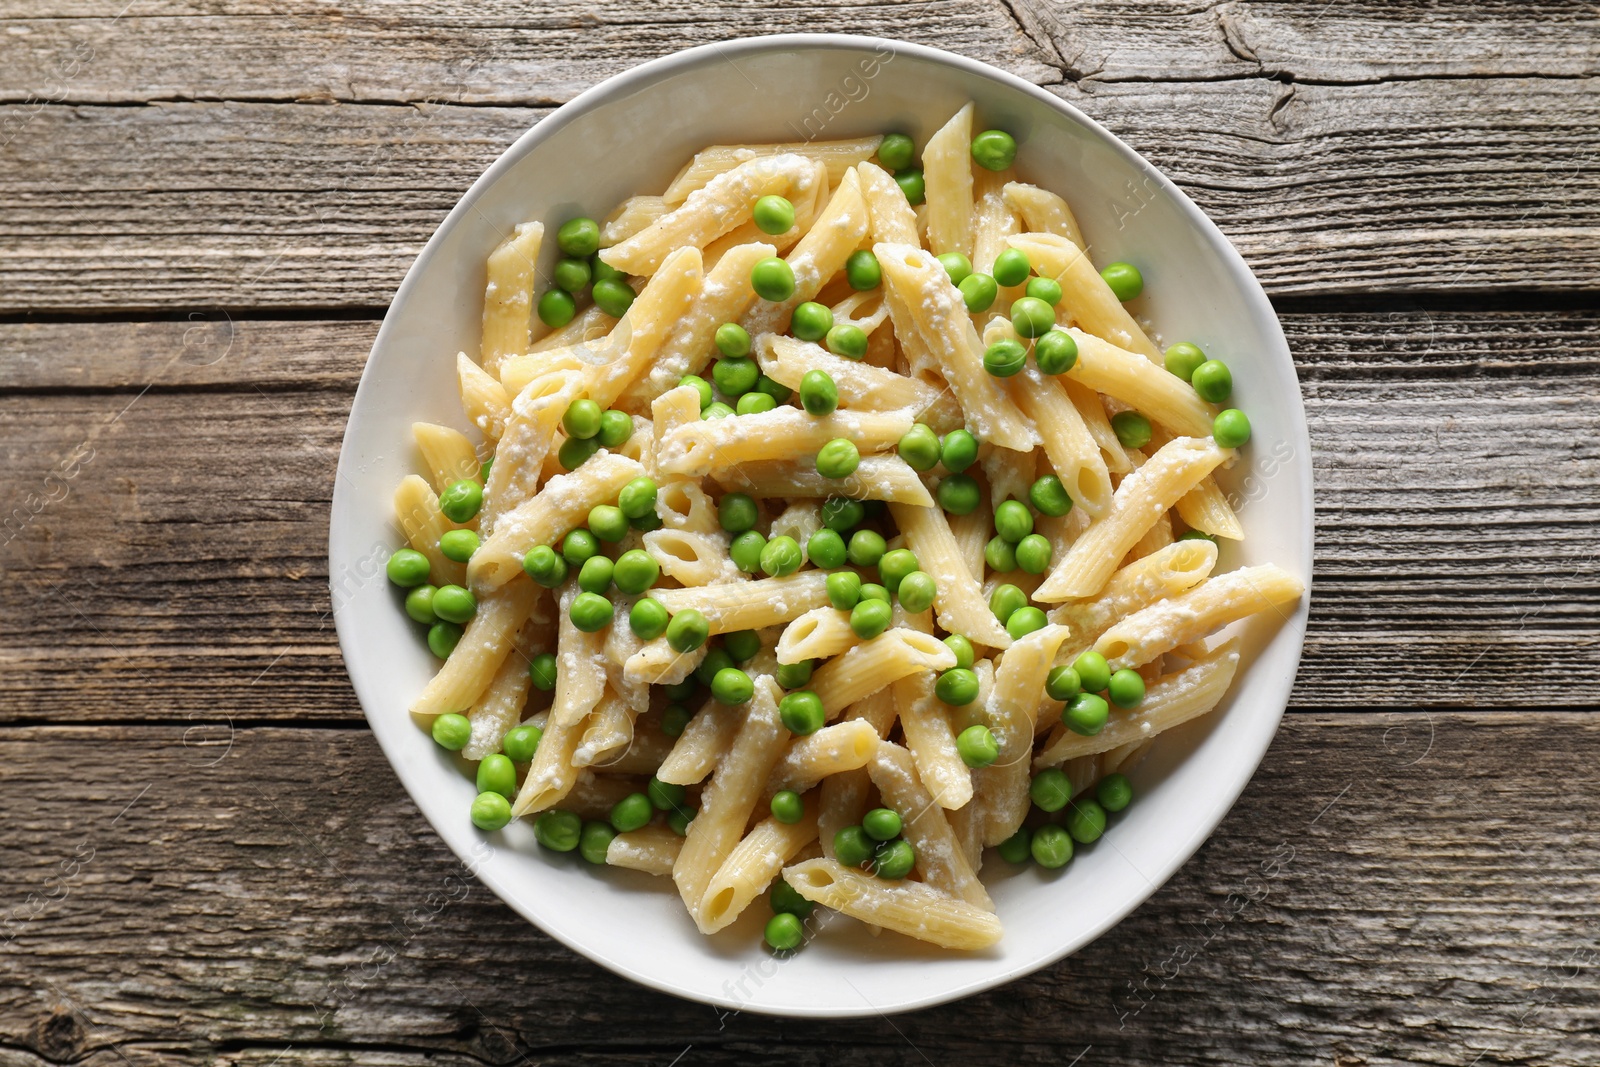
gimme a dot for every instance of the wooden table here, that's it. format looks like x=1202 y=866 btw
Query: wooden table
x=204 y=208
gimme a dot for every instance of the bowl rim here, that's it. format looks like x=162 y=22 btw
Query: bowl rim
x=620 y=85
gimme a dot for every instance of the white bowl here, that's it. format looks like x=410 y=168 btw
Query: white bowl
x=629 y=135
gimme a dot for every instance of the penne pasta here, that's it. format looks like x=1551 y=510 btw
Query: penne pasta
x=940 y=859
x=836 y=156
x=860 y=385
x=484 y=645
x=875 y=478
x=947 y=174
x=1164 y=573
x=844 y=746
x=875 y=664
x=959 y=603
x=1142 y=636
x=720 y=446
x=416 y=509
x=750 y=605
x=931 y=742
x=1094 y=307
x=751 y=867
x=914 y=909
x=508 y=296
x=651 y=849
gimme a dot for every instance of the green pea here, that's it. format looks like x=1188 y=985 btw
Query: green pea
x=745 y=551
x=818 y=395
x=419 y=605
x=784 y=933
x=594 y=841
x=732 y=686
x=608 y=523
x=595 y=574
x=978 y=291
x=1085 y=714
x=1086 y=821
x=635 y=572
x=844 y=589
x=852 y=847
x=407 y=568
x=575 y=452
x=881 y=824
x=558 y=830
x=781 y=556
x=1093 y=671
x=613 y=296
x=1132 y=429
x=458 y=545
x=1051 y=847
x=1126 y=688
x=1013 y=521
x=461 y=500
x=716 y=659
x=912 y=185
x=773 y=214
x=687 y=630
x=802 y=713
x=452 y=731
x=779 y=392
x=893 y=860
x=454 y=603
x=895 y=565
x=490 y=811
x=674 y=717
x=699 y=385
x=664 y=796
x=754 y=403
x=795 y=675
x=772 y=279
x=957 y=687
x=841 y=513
x=578 y=546
x=1033 y=554
x=826 y=549
x=1000 y=555
x=956 y=266
x=571 y=274
x=959 y=495
x=787 y=807
x=591 y=612
x=1046 y=289
x=1050 y=789
x=1062 y=683
x=919 y=447
x=862 y=270
x=601 y=271
x=556 y=308
x=1011 y=267
x=838 y=458
x=1125 y=280
x=579 y=237
x=811 y=321
x=733 y=340
x=1005 y=600
x=742 y=645
x=679 y=819
x=1015 y=849
x=869 y=618
x=497 y=775
x=958 y=450
x=735 y=376
x=965 y=654
x=847 y=341
x=1005 y=358
x=873 y=591
x=867 y=548
x=1025 y=621
x=977 y=747
x=1114 y=792
x=994 y=150
x=521 y=743
x=917 y=591
x=680 y=691
x=1183 y=359
x=718 y=410
x=896 y=151
x=638 y=498
x=1049 y=496
x=1231 y=428
x=615 y=428
x=1032 y=317
x=737 y=512
x=542 y=671
x=785 y=900
x=1055 y=352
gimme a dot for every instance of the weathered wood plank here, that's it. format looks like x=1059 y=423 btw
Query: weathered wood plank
x=1434 y=184
x=1388 y=889
x=1458 y=488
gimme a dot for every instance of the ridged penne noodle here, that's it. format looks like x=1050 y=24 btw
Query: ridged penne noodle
x=865 y=311
x=500 y=707
x=508 y=295
x=716 y=446
x=658 y=663
x=842 y=801
x=940 y=859
x=621 y=644
x=702 y=743
x=484 y=645
x=931 y=742
x=892 y=219
x=1156 y=538
x=693 y=559
x=562 y=504
x=838 y=231
x=632 y=216
x=1144 y=386
x=518 y=372
x=607 y=733
x=799 y=520
x=1206 y=508
x=1143 y=497
x=836 y=156
x=651 y=319
x=818 y=634
x=751 y=867
x=993 y=222
x=1095 y=420
x=447 y=453
x=844 y=746
x=552 y=774
x=713 y=210
x=959 y=603
x=1067 y=442
x=1094 y=307
x=587 y=327
x=580 y=672
x=416 y=509
x=914 y=909
x=527 y=451
x=1009 y=474
x=875 y=664
x=876 y=478
x=1165 y=573
x=972 y=532
x=861 y=386
x=484 y=399
x=651 y=849
x=1013 y=707
x=1043 y=211
x=750 y=605
x=1142 y=636
x=947 y=175
x=1169 y=702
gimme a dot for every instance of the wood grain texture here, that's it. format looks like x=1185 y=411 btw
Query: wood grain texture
x=194 y=895
x=1457 y=481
